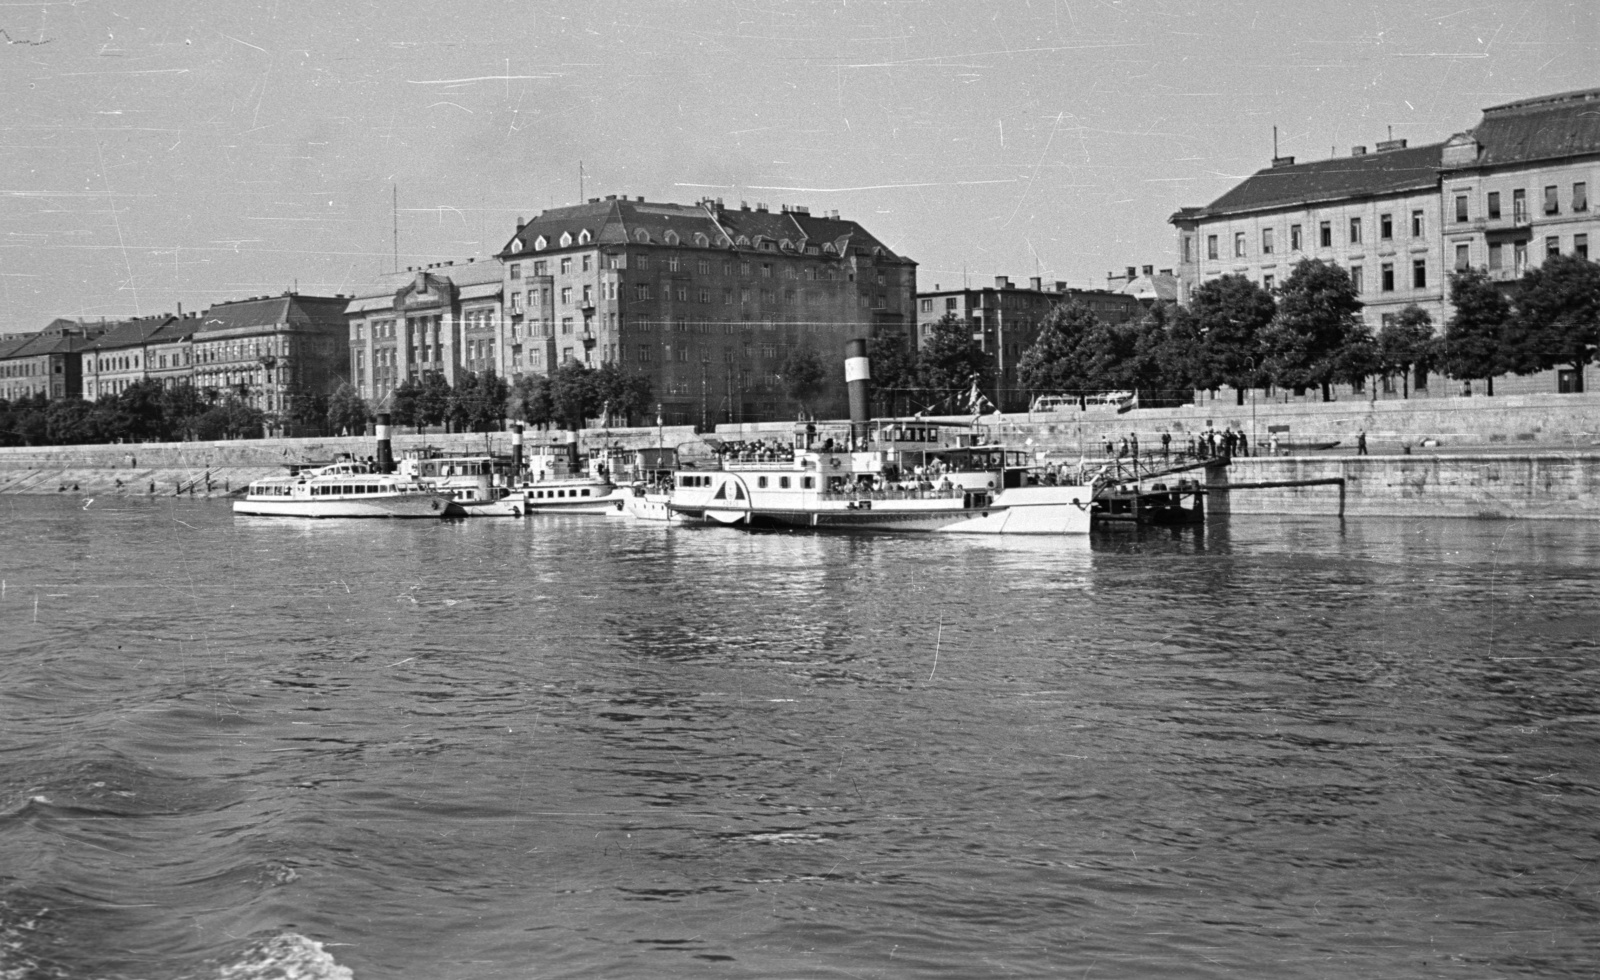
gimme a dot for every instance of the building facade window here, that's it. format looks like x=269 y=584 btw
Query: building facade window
x=1580 y=246
x=1211 y=246
x=1325 y=234
x=1552 y=204
x=1580 y=196
x=1519 y=205
x=1387 y=281
x=1357 y=282
x=1268 y=281
x=1461 y=208
x=1494 y=205
x=1188 y=248
x=1355 y=231
x=1238 y=244
x=1266 y=241
x=516 y=270
x=1463 y=253
x=1416 y=224
x=1386 y=226
x=566 y=265
x=1295 y=242
x=1494 y=255
x=1419 y=274
x=1552 y=245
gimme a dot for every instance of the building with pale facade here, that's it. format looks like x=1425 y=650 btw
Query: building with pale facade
x=706 y=302
x=445 y=318
x=1500 y=196
x=134 y=350
x=48 y=362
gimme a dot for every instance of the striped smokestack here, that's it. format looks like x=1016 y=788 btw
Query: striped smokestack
x=516 y=451
x=858 y=381
x=385 y=458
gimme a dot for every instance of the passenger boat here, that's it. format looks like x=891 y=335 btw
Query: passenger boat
x=347 y=488
x=902 y=475
x=478 y=486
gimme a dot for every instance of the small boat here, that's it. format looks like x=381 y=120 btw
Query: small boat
x=347 y=488
x=903 y=475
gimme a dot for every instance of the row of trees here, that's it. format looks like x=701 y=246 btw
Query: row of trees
x=144 y=411
x=1309 y=334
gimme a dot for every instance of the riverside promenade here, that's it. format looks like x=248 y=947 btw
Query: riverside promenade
x=1511 y=457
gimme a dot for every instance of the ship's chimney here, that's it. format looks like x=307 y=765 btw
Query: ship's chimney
x=385 y=458
x=858 y=382
x=571 y=436
x=516 y=451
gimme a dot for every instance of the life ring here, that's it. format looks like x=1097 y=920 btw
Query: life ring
x=833 y=461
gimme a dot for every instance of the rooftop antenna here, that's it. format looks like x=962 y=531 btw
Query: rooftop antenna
x=1274 y=142
x=1391 y=132
x=580 y=182
x=394 y=212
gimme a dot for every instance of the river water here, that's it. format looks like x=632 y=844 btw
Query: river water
x=581 y=747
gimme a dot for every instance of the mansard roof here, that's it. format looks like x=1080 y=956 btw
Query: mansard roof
x=1544 y=128
x=1339 y=178
x=272 y=311
x=130 y=333
x=620 y=220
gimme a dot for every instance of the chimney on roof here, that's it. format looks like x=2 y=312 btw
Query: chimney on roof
x=520 y=223
x=744 y=205
x=1002 y=282
x=594 y=200
x=1386 y=145
x=1061 y=287
x=1282 y=162
x=1166 y=272
x=1358 y=151
x=1036 y=284
x=804 y=209
x=1133 y=273
x=639 y=199
x=761 y=206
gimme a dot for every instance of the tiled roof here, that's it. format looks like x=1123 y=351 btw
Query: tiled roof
x=1338 y=178
x=46 y=344
x=1539 y=129
x=269 y=311
x=616 y=220
x=130 y=333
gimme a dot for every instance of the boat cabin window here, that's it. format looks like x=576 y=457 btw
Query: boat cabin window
x=586 y=493
x=783 y=483
x=761 y=482
x=694 y=481
x=808 y=482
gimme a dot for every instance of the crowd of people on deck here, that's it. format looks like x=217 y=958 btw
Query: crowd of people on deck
x=762 y=451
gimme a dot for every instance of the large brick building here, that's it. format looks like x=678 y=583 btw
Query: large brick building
x=705 y=301
x=272 y=350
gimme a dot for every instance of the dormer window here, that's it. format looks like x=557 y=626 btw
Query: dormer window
x=743 y=240
x=671 y=238
x=566 y=239
x=539 y=244
x=584 y=236
x=701 y=240
x=641 y=236
x=786 y=245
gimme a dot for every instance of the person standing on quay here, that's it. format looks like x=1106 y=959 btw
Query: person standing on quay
x=1133 y=441
x=1166 y=445
x=1361 y=443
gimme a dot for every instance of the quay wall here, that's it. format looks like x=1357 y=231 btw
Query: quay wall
x=218 y=468
x=1563 y=486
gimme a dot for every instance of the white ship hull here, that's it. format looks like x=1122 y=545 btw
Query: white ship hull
x=1061 y=510
x=397 y=505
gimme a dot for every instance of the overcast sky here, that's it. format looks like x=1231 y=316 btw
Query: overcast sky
x=163 y=152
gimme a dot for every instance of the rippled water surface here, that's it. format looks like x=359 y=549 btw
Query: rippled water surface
x=579 y=747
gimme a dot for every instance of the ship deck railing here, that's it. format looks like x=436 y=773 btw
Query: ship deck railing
x=917 y=494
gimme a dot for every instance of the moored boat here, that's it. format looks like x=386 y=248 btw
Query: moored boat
x=905 y=475
x=347 y=488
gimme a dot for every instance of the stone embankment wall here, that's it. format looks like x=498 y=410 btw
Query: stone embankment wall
x=1501 y=485
x=219 y=468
